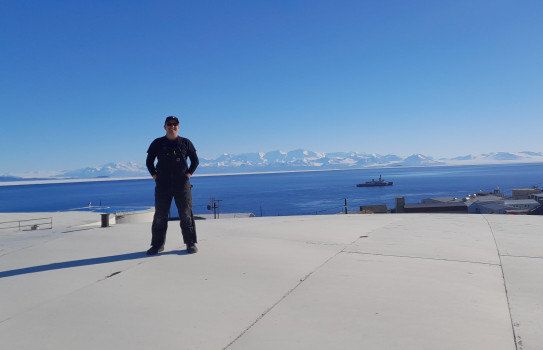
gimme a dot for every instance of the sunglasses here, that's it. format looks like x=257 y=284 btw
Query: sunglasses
x=172 y=124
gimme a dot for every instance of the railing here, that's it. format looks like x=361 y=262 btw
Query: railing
x=28 y=225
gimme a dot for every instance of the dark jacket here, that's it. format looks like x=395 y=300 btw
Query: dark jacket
x=172 y=157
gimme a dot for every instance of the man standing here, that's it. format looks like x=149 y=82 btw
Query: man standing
x=172 y=175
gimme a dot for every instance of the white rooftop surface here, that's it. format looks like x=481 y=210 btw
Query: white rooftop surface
x=396 y=281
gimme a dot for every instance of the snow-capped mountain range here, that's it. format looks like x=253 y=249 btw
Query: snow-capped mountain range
x=129 y=169
x=297 y=160
x=309 y=160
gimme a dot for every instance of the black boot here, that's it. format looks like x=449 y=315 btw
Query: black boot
x=191 y=248
x=155 y=250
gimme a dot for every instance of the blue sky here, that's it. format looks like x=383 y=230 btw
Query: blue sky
x=84 y=83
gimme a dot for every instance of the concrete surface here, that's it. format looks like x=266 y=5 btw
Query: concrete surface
x=404 y=281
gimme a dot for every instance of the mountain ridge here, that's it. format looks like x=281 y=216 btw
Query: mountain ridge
x=294 y=160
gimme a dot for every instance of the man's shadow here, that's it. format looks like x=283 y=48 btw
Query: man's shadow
x=85 y=262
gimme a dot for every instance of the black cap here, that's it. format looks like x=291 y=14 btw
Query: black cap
x=171 y=118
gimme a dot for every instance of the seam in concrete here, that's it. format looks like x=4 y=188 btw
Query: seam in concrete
x=504 y=286
x=423 y=258
x=302 y=280
x=522 y=256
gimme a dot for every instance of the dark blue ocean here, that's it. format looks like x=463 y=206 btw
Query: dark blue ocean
x=296 y=193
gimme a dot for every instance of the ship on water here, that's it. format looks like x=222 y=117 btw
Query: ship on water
x=378 y=183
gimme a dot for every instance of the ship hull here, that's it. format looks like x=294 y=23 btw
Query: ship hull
x=377 y=184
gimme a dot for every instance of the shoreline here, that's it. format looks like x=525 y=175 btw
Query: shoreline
x=62 y=181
